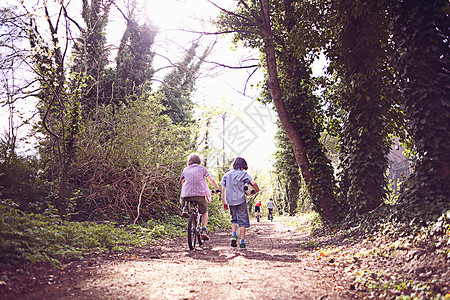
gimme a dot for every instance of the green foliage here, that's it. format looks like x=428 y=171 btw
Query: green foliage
x=387 y=285
x=309 y=222
x=421 y=31
x=296 y=40
x=419 y=251
x=179 y=85
x=218 y=218
x=128 y=162
x=20 y=182
x=46 y=238
x=287 y=171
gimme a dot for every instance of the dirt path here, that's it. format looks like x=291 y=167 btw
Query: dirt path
x=273 y=267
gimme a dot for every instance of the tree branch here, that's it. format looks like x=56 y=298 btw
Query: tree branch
x=230 y=12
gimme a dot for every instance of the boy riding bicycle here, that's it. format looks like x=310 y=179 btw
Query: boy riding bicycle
x=270 y=207
x=258 y=207
x=195 y=189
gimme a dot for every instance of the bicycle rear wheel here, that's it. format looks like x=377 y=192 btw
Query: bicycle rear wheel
x=192 y=234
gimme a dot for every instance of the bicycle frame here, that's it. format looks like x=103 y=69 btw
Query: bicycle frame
x=194 y=227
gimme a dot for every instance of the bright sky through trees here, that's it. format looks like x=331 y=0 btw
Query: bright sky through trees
x=249 y=125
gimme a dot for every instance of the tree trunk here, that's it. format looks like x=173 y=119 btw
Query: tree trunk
x=294 y=187
x=326 y=201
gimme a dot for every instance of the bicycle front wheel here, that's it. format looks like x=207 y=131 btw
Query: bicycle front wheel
x=192 y=234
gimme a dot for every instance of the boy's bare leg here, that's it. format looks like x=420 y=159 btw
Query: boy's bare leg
x=242 y=233
x=205 y=219
x=185 y=213
x=234 y=227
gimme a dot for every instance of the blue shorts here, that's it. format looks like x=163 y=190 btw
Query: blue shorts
x=239 y=214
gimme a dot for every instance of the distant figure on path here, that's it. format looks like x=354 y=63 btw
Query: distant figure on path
x=258 y=207
x=270 y=208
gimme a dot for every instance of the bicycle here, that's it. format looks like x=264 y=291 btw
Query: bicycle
x=258 y=216
x=194 y=227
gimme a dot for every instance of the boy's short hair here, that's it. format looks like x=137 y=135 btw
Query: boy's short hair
x=240 y=163
x=194 y=159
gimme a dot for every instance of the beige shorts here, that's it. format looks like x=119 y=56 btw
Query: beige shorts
x=202 y=203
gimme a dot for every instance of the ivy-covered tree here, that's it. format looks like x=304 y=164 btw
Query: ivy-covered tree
x=58 y=104
x=280 y=31
x=134 y=71
x=295 y=53
x=287 y=171
x=421 y=31
x=178 y=86
x=91 y=56
x=358 y=54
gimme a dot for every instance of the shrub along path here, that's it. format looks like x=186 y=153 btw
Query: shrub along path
x=280 y=263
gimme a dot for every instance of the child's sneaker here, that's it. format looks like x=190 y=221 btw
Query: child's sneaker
x=205 y=236
x=234 y=239
x=185 y=213
x=242 y=246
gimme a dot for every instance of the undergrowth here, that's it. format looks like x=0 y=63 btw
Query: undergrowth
x=45 y=238
x=383 y=255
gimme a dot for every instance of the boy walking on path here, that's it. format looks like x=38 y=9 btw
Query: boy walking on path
x=233 y=197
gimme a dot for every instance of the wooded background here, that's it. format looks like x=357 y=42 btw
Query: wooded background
x=111 y=146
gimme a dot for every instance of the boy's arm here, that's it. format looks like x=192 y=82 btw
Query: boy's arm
x=224 y=197
x=255 y=185
x=181 y=184
x=213 y=182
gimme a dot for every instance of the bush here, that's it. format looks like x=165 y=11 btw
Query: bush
x=20 y=183
x=128 y=163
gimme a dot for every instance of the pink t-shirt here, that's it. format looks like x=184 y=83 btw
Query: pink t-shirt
x=194 y=182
